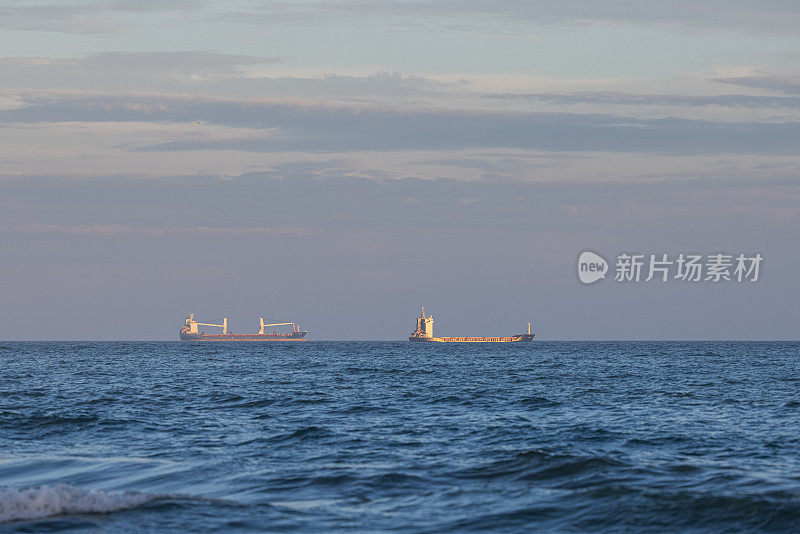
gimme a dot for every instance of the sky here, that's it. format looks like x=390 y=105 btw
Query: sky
x=342 y=163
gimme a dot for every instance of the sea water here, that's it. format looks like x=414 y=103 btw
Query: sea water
x=398 y=436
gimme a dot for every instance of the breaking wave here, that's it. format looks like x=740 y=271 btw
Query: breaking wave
x=48 y=501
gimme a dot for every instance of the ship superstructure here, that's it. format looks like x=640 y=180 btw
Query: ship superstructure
x=191 y=332
x=424 y=333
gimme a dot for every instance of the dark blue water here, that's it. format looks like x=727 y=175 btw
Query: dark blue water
x=378 y=437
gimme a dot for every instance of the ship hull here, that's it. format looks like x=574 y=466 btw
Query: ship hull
x=520 y=338
x=294 y=336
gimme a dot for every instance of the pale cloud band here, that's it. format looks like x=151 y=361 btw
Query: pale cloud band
x=118 y=230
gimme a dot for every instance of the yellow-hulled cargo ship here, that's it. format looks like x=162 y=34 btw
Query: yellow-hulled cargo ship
x=424 y=332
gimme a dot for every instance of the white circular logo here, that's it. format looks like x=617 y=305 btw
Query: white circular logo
x=591 y=267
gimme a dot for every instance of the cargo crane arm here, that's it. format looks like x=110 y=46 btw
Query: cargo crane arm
x=192 y=324
x=263 y=324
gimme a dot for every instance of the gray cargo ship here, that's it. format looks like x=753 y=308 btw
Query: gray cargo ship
x=191 y=332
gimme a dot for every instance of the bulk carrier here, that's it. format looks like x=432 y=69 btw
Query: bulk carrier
x=424 y=333
x=190 y=332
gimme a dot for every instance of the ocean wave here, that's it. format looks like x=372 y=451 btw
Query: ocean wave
x=541 y=465
x=538 y=402
x=307 y=433
x=60 y=499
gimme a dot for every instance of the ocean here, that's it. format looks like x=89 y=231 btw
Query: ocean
x=400 y=437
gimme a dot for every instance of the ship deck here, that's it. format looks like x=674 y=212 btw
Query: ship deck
x=501 y=339
x=299 y=336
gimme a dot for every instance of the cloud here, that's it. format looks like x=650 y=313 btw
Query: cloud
x=96 y=17
x=208 y=73
x=113 y=16
x=743 y=15
x=302 y=126
x=116 y=230
x=770 y=82
x=298 y=200
x=178 y=62
x=628 y=99
x=115 y=71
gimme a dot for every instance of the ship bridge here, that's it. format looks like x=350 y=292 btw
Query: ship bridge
x=424 y=326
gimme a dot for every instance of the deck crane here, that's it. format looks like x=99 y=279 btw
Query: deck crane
x=263 y=324
x=192 y=324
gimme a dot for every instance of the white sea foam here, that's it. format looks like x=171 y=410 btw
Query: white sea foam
x=46 y=501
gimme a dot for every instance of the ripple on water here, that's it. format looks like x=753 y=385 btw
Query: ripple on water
x=324 y=437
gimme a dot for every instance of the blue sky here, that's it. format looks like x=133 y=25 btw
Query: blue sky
x=341 y=163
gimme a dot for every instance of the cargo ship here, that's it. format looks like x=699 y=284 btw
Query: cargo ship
x=424 y=333
x=190 y=332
